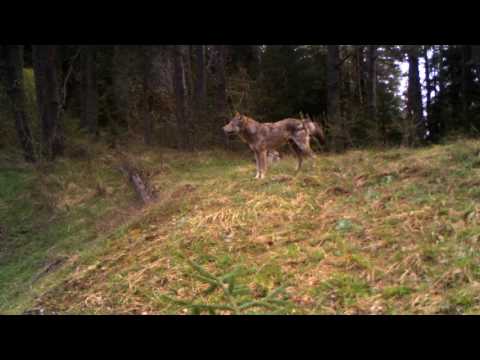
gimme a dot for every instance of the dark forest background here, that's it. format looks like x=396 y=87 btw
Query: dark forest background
x=180 y=96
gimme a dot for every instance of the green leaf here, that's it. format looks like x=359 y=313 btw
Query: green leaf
x=206 y=279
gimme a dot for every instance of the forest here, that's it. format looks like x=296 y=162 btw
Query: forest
x=120 y=193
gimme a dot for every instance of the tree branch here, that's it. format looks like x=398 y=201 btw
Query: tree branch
x=65 y=82
x=343 y=60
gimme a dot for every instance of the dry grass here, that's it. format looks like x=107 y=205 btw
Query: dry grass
x=366 y=232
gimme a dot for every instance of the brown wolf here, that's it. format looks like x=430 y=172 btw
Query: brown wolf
x=262 y=137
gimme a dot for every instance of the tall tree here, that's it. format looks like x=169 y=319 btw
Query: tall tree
x=187 y=53
x=89 y=113
x=466 y=74
x=120 y=84
x=333 y=78
x=428 y=85
x=476 y=58
x=181 y=96
x=200 y=80
x=372 y=81
x=13 y=58
x=359 y=72
x=147 y=95
x=335 y=113
x=414 y=98
x=221 y=104
x=46 y=82
x=439 y=104
x=221 y=93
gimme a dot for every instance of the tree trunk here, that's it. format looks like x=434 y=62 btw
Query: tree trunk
x=120 y=85
x=434 y=72
x=441 y=77
x=3 y=66
x=440 y=123
x=47 y=89
x=200 y=81
x=13 y=55
x=221 y=90
x=181 y=93
x=359 y=69
x=372 y=81
x=89 y=117
x=147 y=95
x=187 y=61
x=414 y=104
x=465 y=83
x=255 y=63
x=427 y=78
x=333 y=97
x=333 y=77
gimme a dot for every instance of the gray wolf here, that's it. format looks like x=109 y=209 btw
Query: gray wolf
x=264 y=137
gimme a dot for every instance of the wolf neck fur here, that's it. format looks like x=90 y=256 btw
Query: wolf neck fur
x=247 y=131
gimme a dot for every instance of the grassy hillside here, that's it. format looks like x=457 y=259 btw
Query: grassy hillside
x=375 y=232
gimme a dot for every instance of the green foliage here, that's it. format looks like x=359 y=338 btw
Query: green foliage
x=293 y=81
x=236 y=297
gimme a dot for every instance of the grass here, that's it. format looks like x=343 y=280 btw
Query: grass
x=365 y=232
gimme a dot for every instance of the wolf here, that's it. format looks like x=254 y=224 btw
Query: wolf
x=264 y=137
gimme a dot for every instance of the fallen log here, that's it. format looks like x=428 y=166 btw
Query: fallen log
x=139 y=183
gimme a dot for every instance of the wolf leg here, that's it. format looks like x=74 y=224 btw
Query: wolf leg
x=298 y=153
x=257 y=164
x=263 y=163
